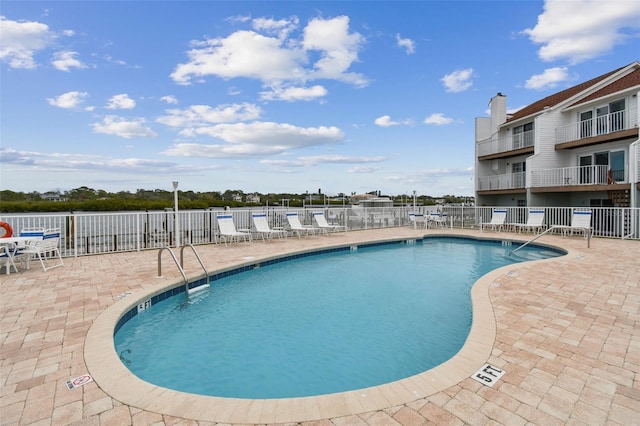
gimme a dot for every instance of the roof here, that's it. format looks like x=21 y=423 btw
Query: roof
x=628 y=81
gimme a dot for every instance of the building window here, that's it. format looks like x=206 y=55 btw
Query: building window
x=523 y=136
x=601 y=167
x=616 y=161
x=517 y=171
x=608 y=118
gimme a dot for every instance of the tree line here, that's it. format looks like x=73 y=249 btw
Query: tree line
x=88 y=199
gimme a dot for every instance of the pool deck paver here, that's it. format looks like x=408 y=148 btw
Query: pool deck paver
x=567 y=333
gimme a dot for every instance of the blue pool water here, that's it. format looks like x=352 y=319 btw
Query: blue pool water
x=319 y=324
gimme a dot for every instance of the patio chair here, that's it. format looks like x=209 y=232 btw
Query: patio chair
x=263 y=229
x=535 y=222
x=580 y=223
x=297 y=227
x=44 y=249
x=324 y=226
x=417 y=220
x=497 y=220
x=437 y=219
x=7 y=252
x=228 y=232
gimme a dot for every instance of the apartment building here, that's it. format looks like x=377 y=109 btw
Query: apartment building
x=578 y=147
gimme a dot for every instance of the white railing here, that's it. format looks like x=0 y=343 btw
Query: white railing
x=96 y=233
x=569 y=176
x=506 y=143
x=609 y=123
x=505 y=181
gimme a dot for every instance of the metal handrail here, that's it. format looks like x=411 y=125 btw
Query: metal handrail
x=206 y=273
x=175 y=259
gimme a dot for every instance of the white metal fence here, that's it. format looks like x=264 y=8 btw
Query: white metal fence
x=95 y=233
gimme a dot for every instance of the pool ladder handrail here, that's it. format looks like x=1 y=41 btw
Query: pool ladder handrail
x=180 y=264
x=552 y=228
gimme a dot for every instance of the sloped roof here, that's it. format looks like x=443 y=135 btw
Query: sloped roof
x=552 y=100
x=625 y=82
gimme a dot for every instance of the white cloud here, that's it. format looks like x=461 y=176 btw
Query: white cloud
x=119 y=126
x=338 y=49
x=438 y=119
x=21 y=41
x=406 y=43
x=363 y=169
x=170 y=99
x=385 y=121
x=203 y=115
x=281 y=28
x=579 y=30
x=84 y=162
x=122 y=101
x=255 y=139
x=315 y=160
x=294 y=93
x=242 y=54
x=66 y=60
x=69 y=100
x=280 y=59
x=458 y=81
x=548 y=79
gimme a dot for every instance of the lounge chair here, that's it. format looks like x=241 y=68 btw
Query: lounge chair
x=324 y=226
x=297 y=227
x=263 y=229
x=228 y=230
x=497 y=220
x=580 y=222
x=43 y=249
x=535 y=222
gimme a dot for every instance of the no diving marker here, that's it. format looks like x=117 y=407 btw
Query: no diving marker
x=488 y=375
x=79 y=381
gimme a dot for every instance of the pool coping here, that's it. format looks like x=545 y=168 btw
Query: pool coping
x=117 y=381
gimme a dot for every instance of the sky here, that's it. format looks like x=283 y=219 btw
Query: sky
x=281 y=96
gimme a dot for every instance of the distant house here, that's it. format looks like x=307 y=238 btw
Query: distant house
x=236 y=197
x=52 y=196
x=253 y=198
x=578 y=147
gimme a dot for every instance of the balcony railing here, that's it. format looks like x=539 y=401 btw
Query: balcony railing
x=570 y=176
x=506 y=181
x=610 y=123
x=507 y=143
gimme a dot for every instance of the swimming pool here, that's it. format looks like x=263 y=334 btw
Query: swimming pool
x=264 y=349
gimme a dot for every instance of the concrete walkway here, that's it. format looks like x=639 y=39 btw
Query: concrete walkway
x=567 y=336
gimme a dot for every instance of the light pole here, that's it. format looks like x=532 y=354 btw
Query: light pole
x=176 y=224
x=415 y=225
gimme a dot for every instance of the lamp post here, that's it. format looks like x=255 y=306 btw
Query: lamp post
x=415 y=225
x=176 y=224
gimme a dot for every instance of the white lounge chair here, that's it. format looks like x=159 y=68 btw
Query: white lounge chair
x=43 y=249
x=497 y=220
x=535 y=222
x=580 y=222
x=228 y=230
x=324 y=226
x=263 y=229
x=297 y=227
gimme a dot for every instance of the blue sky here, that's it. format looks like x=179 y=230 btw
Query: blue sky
x=281 y=96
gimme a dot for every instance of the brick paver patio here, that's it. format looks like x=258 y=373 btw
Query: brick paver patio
x=567 y=335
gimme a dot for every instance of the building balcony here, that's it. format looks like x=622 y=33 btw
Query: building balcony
x=607 y=128
x=582 y=178
x=510 y=182
x=507 y=146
